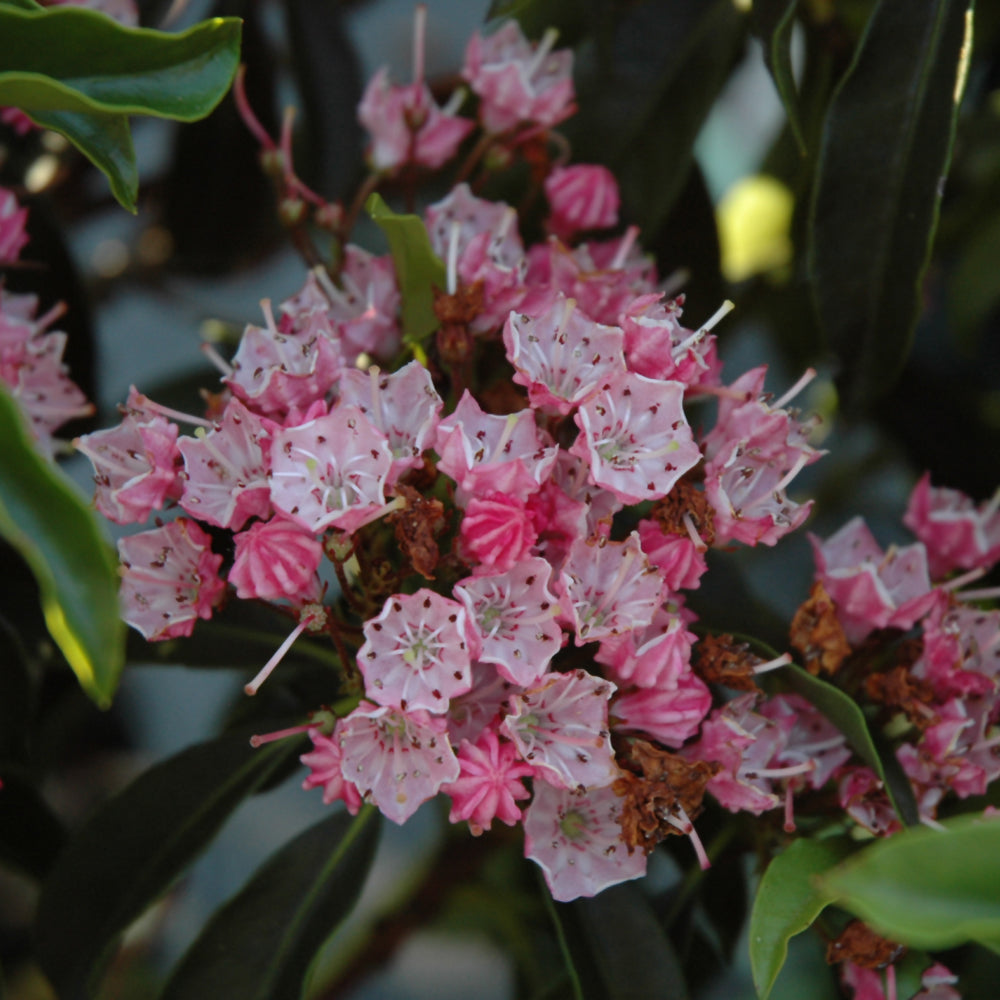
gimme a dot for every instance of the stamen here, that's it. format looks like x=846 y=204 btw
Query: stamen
x=217 y=359
x=419 y=41
x=279 y=734
x=961 y=581
x=624 y=248
x=544 y=48
x=51 y=316
x=453 y=237
x=780 y=661
x=782 y=772
x=172 y=414
x=724 y=310
x=696 y=539
x=807 y=376
x=683 y=823
x=984 y=594
x=792 y=473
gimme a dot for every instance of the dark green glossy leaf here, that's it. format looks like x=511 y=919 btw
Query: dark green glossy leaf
x=260 y=945
x=645 y=93
x=418 y=269
x=844 y=713
x=927 y=888
x=772 y=22
x=106 y=141
x=135 y=846
x=42 y=516
x=884 y=155
x=788 y=901
x=619 y=949
x=30 y=834
x=71 y=59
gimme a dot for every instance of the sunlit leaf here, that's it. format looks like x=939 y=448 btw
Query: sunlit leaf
x=260 y=945
x=927 y=888
x=884 y=155
x=788 y=901
x=57 y=534
x=133 y=848
x=418 y=269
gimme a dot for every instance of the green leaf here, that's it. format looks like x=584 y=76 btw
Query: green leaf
x=844 y=713
x=261 y=943
x=772 y=22
x=418 y=269
x=644 y=99
x=133 y=848
x=788 y=901
x=885 y=152
x=58 y=536
x=927 y=888
x=71 y=59
x=615 y=948
x=106 y=141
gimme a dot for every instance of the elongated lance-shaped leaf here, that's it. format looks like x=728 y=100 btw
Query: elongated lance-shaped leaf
x=71 y=59
x=772 y=21
x=418 y=269
x=58 y=536
x=134 y=847
x=927 y=888
x=261 y=944
x=844 y=713
x=788 y=901
x=884 y=156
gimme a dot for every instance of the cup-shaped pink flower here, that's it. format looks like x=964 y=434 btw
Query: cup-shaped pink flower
x=517 y=82
x=276 y=559
x=418 y=652
x=135 y=467
x=636 y=437
x=331 y=471
x=396 y=759
x=515 y=615
x=575 y=837
x=561 y=728
x=170 y=578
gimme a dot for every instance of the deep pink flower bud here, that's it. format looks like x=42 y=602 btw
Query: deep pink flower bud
x=276 y=559
x=581 y=197
x=497 y=532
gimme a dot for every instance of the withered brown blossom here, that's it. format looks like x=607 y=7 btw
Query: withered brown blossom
x=685 y=499
x=416 y=526
x=817 y=634
x=898 y=689
x=720 y=659
x=654 y=783
x=859 y=944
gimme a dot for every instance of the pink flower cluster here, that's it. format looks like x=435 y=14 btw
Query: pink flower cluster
x=545 y=501
x=31 y=365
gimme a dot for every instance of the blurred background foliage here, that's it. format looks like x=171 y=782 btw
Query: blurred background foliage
x=805 y=159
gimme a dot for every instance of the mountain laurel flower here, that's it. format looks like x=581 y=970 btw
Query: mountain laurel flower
x=583 y=196
x=489 y=785
x=607 y=588
x=561 y=728
x=517 y=82
x=575 y=836
x=417 y=652
x=331 y=471
x=560 y=355
x=957 y=533
x=515 y=615
x=226 y=469
x=135 y=467
x=396 y=759
x=170 y=578
x=636 y=437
